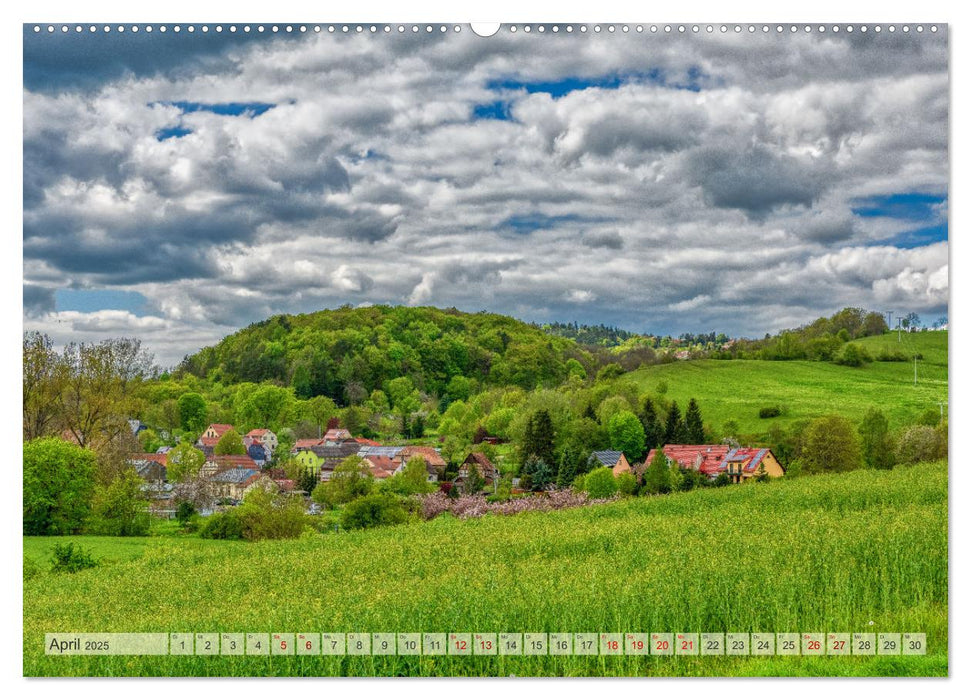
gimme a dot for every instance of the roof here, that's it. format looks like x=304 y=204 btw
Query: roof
x=337 y=434
x=236 y=476
x=608 y=458
x=431 y=455
x=306 y=443
x=208 y=441
x=365 y=441
x=149 y=457
x=380 y=450
x=220 y=428
x=285 y=484
x=345 y=449
x=257 y=432
x=481 y=460
x=712 y=459
x=380 y=462
x=233 y=461
x=256 y=451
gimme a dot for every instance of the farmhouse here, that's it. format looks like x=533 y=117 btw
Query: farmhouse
x=150 y=466
x=220 y=463
x=234 y=483
x=740 y=463
x=217 y=430
x=337 y=435
x=479 y=462
x=262 y=436
x=380 y=467
x=613 y=459
x=434 y=462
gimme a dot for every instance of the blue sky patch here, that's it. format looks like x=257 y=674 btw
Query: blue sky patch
x=88 y=300
x=911 y=206
x=172 y=132
x=226 y=109
x=558 y=88
x=919 y=238
x=921 y=210
x=494 y=110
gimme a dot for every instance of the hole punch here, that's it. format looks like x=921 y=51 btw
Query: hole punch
x=487 y=29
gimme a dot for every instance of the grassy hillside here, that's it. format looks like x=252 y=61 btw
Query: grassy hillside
x=853 y=552
x=737 y=389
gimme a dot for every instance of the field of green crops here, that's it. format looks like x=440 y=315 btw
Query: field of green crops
x=863 y=551
x=737 y=389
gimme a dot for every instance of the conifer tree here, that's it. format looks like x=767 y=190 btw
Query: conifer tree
x=694 y=427
x=674 y=431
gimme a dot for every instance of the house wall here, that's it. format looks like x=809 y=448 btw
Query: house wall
x=622 y=466
x=308 y=459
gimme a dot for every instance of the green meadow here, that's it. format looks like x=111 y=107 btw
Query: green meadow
x=737 y=389
x=861 y=551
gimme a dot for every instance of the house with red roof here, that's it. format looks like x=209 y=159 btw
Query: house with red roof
x=220 y=463
x=740 y=463
x=434 y=462
x=337 y=435
x=482 y=464
x=380 y=466
x=217 y=430
x=264 y=437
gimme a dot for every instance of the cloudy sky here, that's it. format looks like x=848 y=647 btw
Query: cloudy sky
x=177 y=187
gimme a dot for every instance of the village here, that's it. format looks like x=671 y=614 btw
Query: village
x=229 y=477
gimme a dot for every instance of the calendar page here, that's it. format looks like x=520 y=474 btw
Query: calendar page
x=556 y=350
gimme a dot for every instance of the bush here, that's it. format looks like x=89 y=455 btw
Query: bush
x=770 y=412
x=626 y=484
x=222 y=526
x=184 y=513
x=920 y=443
x=600 y=483
x=722 y=479
x=373 y=511
x=270 y=516
x=853 y=355
x=71 y=558
x=120 y=508
x=58 y=481
x=888 y=355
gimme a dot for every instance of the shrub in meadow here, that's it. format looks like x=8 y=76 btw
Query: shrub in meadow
x=373 y=511
x=222 y=526
x=71 y=558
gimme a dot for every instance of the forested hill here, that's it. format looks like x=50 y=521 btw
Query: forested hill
x=599 y=335
x=348 y=352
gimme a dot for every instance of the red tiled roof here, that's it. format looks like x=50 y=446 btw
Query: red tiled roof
x=307 y=443
x=149 y=457
x=431 y=455
x=257 y=432
x=285 y=484
x=234 y=461
x=209 y=441
x=712 y=459
x=365 y=441
x=220 y=428
x=337 y=434
x=380 y=462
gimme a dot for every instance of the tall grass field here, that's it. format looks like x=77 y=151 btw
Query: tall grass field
x=737 y=389
x=856 y=552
